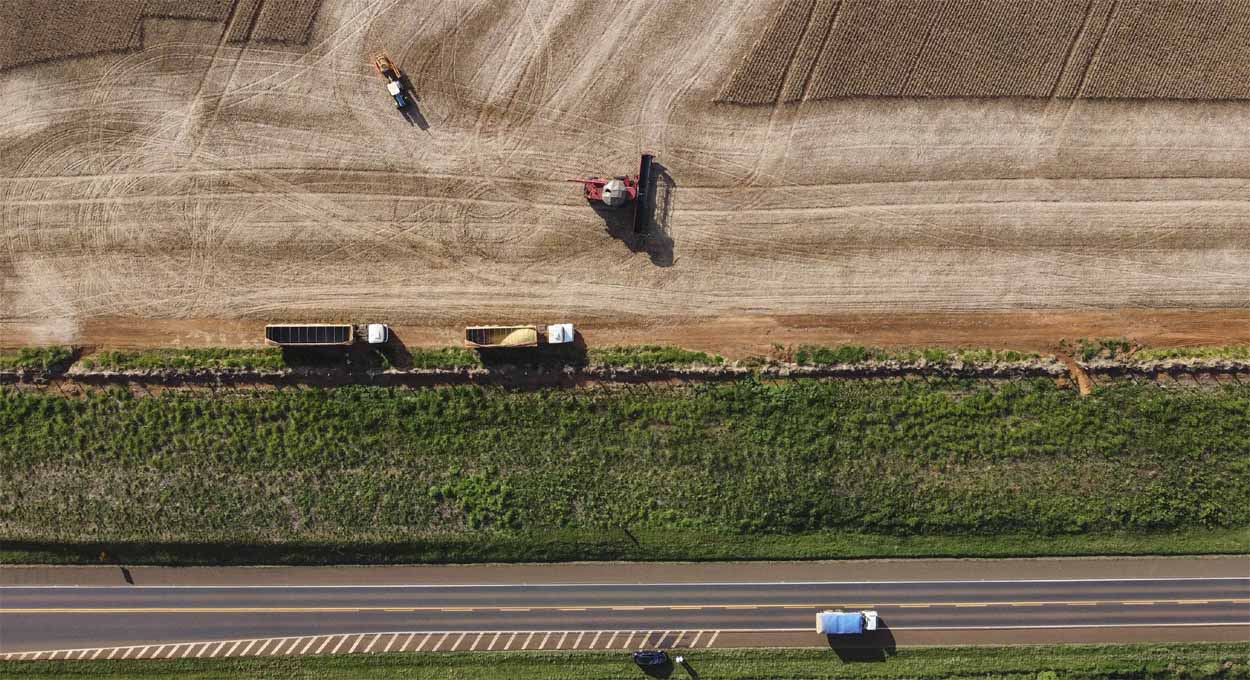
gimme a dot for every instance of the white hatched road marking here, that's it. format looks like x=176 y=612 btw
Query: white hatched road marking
x=351 y=643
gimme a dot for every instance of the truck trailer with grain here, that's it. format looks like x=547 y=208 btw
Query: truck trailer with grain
x=515 y=337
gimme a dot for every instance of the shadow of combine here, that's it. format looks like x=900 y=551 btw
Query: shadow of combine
x=873 y=646
x=657 y=208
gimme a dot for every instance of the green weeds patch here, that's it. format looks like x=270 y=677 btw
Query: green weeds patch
x=445 y=357
x=652 y=356
x=733 y=463
x=1233 y=352
x=36 y=358
x=213 y=358
x=820 y=355
x=1071 y=662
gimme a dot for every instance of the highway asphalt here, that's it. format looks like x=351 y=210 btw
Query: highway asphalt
x=95 y=617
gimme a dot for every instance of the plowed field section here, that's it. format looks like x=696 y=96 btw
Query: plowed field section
x=1169 y=49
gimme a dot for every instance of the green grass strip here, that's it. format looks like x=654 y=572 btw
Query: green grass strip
x=404 y=546
x=1233 y=352
x=269 y=358
x=652 y=356
x=36 y=358
x=942 y=467
x=1194 y=661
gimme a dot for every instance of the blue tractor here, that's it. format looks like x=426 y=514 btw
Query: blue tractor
x=394 y=80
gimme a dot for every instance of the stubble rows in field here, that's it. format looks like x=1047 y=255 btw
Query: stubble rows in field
x=194 y=180
x=1170 y=49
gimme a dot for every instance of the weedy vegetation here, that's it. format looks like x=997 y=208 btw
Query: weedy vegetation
x=803 y=468
x=36 y=358
x=269 y=358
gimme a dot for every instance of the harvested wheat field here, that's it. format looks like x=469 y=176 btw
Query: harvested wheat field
x=212 y=172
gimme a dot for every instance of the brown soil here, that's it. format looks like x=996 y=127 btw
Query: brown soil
x=190 y=190
x=741 y=337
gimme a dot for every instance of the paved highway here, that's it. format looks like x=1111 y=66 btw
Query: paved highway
x=92 y=619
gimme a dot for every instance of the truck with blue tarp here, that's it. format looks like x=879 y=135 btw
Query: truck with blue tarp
x=831 y=622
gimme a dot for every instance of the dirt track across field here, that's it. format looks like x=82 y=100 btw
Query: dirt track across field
x=210 y=186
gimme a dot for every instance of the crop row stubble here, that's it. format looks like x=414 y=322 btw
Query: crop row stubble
x=37 y=30
x=1178 y=49
x=758 y=80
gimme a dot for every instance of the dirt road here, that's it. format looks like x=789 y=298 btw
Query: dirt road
x=212 y=185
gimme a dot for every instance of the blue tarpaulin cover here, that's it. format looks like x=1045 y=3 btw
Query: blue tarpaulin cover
x=833 y=623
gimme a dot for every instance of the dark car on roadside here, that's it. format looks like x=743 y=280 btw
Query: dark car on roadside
x=649 y=658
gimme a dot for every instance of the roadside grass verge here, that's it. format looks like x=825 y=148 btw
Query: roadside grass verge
x=443 y=357
x=36 y=358
x=404 y=546
x=719 y=470
x=821 y=355
x=1195 y=661
x=187 y=359
x=652 y=356
x=1233 y=352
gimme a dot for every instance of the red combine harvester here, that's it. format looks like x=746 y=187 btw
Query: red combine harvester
x=617 y=192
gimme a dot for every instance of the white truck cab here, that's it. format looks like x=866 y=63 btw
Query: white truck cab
x=377 y=333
